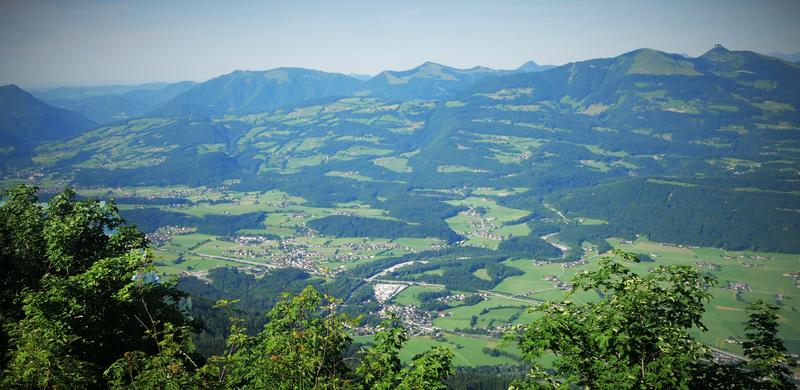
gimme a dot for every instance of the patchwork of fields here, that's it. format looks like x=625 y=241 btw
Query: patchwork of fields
x=284 y=239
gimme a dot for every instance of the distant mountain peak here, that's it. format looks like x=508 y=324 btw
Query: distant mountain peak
x=532 y=66
x=719 y=48
x=431 y=63
x=11 y=88
x=248 y=91
x=11 y=93
x=653 y=62
x=719 y=53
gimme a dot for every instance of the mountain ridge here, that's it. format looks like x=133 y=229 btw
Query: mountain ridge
x=128 y=103
x=26 y=122
x=257 y=91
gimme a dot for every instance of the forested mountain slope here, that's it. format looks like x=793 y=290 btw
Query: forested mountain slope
x=26 y=122
x=720 y=129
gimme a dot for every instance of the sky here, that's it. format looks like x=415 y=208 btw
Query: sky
x=92 y=42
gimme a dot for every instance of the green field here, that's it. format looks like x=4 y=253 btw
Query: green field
x=764 y=273
x=467 y=349
x=486 y=311
x=397 y=164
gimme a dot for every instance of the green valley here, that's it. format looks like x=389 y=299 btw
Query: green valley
x=453 y=202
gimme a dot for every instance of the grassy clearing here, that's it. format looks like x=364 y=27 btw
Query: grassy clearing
x=461 y=316
x=481 y=273
x=165 y=263
x=409 y=295
x=457 y=169
x=353 y=175
x=467 y=350
x=774 y=106
x=497 y=192
x=671 y=183
x=396 y=164
x=454 y=103
x=509 y=149
x=508 y=93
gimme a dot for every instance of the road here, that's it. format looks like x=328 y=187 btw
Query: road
x=408 y=282
x=560 y=246
x=551 y=208
x=727 y=354
x=434 y=285
x=390 y=269
x=254 y=263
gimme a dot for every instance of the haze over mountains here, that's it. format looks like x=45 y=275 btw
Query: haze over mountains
x=254 y=91
x=106 y=104
x=791 y=57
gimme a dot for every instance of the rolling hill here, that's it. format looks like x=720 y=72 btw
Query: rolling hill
x=258 y=91
x=427 y=81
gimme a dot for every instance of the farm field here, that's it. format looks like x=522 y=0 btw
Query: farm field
x=467 y=350
x=742 y=278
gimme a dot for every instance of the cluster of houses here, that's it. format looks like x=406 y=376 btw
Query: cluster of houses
x=452 y=298
x=249 y=240
x=291 y=252
x=738 y=286
x=417 y=321
x=558 y=283
x=746 y=257
x=482 y=226
x=164 y=234
x=750 y=265
x=794 y=276
x=572 y=264
x=708 y=265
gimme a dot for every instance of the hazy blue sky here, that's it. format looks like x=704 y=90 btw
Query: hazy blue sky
x=94 y=42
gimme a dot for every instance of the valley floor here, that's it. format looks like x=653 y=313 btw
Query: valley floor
x=471 y=327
